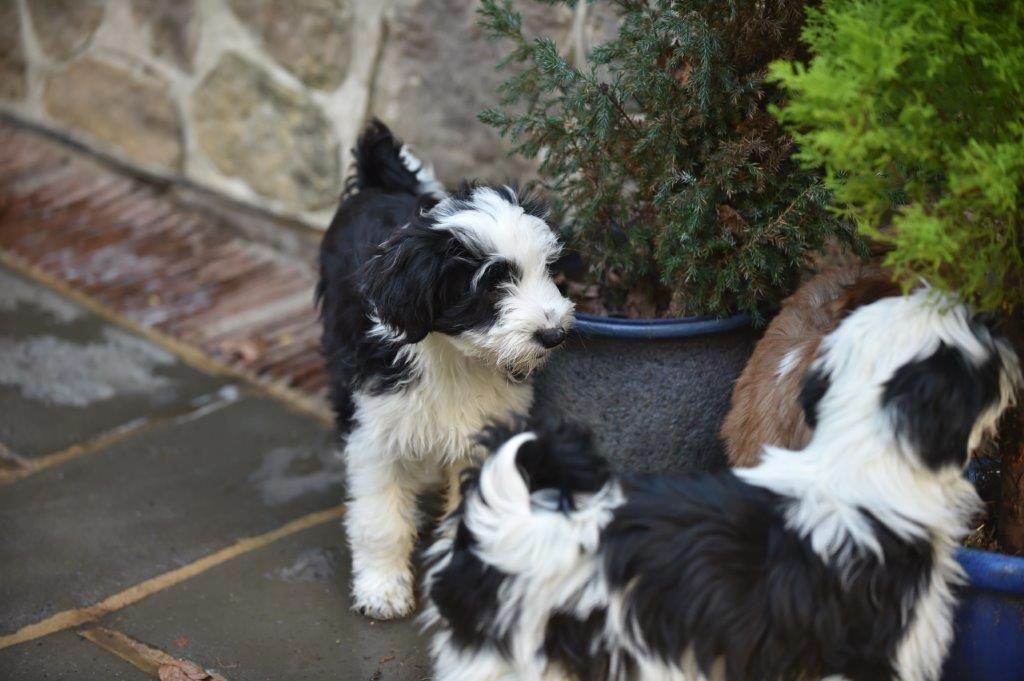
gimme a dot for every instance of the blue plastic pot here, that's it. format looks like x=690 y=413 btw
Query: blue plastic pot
x=989 y=643
x=653 y=391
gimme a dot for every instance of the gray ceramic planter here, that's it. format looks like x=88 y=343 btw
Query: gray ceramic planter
x=654 y=391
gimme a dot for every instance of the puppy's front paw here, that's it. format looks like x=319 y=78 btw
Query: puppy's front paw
x=383 y=595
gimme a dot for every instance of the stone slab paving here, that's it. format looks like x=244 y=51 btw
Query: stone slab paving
x=96 y=525
x=194 y=478
x=64 y=657
x=279 y=614
x=63 y=366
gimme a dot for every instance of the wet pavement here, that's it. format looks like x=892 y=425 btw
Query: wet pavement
x=65 y=656
x=151 y=512
x=62 y=366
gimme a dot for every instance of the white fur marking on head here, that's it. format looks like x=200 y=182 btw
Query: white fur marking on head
x=499 y=229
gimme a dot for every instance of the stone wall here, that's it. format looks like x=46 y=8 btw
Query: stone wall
x=262 y=99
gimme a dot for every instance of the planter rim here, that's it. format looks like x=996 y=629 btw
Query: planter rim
x=993 y=571
x=649 y=329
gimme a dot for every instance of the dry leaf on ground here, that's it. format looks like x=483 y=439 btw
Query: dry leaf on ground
x=182 y=670
x=246 y=350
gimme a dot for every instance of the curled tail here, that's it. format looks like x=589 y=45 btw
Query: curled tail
x=540 y=500
x=530 y=519
x=382 y=161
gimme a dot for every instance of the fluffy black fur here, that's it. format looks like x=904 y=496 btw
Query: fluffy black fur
x=469 y=589
x=560 y=459
x=432 y=289
x=935 y=402
x=575 y=644
x=814 y=389
x=380 y=197
x=713 y=567
x=378 y=164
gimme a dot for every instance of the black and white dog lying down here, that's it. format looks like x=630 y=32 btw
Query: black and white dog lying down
x=833 y=561
x=436 y=310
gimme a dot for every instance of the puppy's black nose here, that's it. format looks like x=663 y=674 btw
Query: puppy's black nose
x=550 y=338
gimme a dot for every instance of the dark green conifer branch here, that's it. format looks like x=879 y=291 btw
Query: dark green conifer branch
x=673 y=181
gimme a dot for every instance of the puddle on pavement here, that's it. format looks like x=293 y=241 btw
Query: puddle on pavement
x=63 y=373
x=16 y=292
x=288 y=473
x=312 y=565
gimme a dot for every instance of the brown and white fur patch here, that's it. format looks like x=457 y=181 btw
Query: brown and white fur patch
x=765 y=402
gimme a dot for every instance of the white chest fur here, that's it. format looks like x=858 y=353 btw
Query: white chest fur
x=439 y=413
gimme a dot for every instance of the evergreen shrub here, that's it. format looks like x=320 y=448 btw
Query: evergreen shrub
x=916 y=112
x=672 y=179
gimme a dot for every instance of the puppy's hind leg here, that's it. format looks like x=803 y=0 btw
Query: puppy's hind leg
x=380 y=522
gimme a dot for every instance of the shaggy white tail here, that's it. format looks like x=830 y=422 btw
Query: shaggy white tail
x=525 y=533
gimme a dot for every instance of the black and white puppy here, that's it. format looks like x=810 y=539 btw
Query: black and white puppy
x=436 y=310
x=834 y=561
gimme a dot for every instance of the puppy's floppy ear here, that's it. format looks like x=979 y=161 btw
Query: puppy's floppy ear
x=402 y=279
x=935 y=402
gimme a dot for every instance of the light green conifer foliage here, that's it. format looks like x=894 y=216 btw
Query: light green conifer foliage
x=916 y=112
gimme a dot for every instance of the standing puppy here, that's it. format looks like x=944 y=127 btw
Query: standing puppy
x=832 y=562
x=436 y=310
